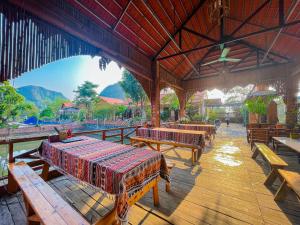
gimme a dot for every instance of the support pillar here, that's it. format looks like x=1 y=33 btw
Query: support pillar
x=291 y=101
x=182 y=103
x=155 y=95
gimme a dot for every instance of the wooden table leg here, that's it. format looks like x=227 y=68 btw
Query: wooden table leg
x=45 y=171
x=12 y=186
x=110 y=218
x=155 y=194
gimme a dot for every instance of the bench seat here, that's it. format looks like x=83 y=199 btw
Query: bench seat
x=42 y=203
x=274 y=160
x=290 y=180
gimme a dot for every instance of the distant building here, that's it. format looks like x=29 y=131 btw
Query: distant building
x=115 y=101
x=68 y=110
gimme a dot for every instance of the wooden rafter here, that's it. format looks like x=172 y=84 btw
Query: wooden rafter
x=250 y=17
x=200 y=4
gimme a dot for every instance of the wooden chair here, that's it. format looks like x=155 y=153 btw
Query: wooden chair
x=291 y=180
x=259 y=135
x=274 y=160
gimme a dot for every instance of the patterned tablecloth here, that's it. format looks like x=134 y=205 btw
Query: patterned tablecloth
x=190 y=137
x=117 y=169
x=210 y=129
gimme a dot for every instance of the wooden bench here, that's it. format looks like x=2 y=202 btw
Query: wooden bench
x=43 y=204
x=196 y=151
x=274 y=160
x=290 y=180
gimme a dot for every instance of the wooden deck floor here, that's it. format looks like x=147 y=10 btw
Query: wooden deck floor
x=226 y=187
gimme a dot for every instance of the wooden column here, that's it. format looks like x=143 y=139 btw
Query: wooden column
x=291 y=101
x=182 y=103
x=155 y=95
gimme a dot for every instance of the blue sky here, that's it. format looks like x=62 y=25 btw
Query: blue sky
x=66 y=74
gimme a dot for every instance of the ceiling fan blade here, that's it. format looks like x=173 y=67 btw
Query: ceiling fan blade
x=225 y=52
x=211 y=62
x=231 y=60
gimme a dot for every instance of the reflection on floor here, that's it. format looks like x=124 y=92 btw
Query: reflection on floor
x=225 y=187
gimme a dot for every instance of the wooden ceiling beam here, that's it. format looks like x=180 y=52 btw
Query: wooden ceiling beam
x=263 y=27
x=199 y=34
x=200 y=4
x=245 y=36
x=250 y=17
x=122 y=15
x=281 y=22
x=168 y=33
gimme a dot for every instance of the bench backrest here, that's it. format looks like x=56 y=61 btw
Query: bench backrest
x=259 y=135
x=45 y=202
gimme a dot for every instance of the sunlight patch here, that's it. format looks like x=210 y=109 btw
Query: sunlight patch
x=227 y=160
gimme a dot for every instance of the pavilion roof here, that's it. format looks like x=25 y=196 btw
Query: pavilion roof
x=155 y=27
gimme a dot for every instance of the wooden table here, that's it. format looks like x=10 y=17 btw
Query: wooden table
x=293 y=144
x=181 y=131
x=110 y=167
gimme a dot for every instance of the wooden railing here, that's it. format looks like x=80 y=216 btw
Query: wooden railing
x=123 y=133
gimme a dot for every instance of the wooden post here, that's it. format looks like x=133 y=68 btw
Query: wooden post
x=291 y=102
x=122 y=135
x=155 y=193
x=155 y=95
x=45 y=171
x=103 y=135
x=11 y=152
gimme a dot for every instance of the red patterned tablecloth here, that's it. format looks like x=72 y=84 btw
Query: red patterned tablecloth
x=172 y=135
x=210 y=129
x=117 y=169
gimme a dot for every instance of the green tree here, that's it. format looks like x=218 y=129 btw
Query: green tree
x=86 y=95
x=56 y=105
x=11 y=103
x=133 y=89
x=82 y=114
x=170 y=100
x=47 y=113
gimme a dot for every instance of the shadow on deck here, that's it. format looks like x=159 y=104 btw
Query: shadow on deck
x=225 y=187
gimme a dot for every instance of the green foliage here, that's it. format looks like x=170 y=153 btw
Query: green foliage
x=212 y=114
x=86 y=95
x=244 y=112
x=258 y=104
x=132 y=88
x=104 y=111
x=120 y=110
x=171 y=100
x=12 y=104
x=47 y=113
x=165 y=114
x=56 y=105
x=198 y=117
x=82 y=114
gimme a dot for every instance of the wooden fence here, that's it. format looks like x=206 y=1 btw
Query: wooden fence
x=123 y=133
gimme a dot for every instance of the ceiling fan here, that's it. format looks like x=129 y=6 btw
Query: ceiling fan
x=222 y=58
